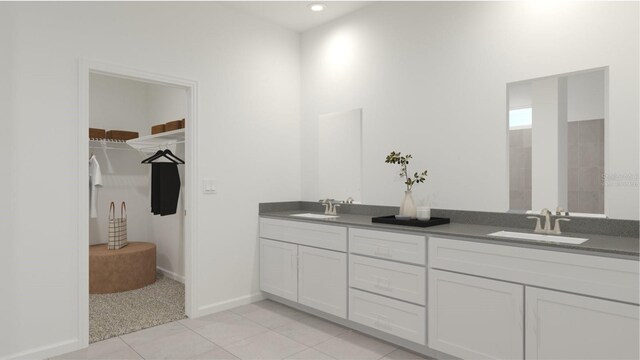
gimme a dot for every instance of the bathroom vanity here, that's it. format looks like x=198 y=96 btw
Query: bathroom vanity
x=453 y=291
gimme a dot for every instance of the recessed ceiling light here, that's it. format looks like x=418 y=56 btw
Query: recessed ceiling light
x=317 y=7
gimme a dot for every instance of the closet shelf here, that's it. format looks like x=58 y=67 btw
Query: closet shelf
x=157 y=141
x=108 y=144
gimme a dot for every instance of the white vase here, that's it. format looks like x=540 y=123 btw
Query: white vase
x=408 y=207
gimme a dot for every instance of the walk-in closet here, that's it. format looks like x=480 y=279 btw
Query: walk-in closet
x=136 y=205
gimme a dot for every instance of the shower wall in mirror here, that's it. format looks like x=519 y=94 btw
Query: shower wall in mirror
x=556 y=129
x=340 y=155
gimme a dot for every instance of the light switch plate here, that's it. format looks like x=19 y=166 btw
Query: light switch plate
x=209 y=186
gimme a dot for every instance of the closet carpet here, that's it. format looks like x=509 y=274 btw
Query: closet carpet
x=117 y=314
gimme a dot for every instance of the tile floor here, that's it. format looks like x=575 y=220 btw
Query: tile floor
x=263 y=330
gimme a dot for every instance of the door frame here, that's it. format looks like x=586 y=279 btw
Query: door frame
x=86 y=68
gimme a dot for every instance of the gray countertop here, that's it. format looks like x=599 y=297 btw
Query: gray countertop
x=599 y=245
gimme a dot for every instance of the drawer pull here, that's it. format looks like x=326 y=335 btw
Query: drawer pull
x=383 y=251
x=383 y=284
x=382 y=322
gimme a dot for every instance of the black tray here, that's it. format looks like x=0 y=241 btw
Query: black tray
x=391 y=219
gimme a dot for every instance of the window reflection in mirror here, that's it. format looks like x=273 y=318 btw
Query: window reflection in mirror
x=556 y=128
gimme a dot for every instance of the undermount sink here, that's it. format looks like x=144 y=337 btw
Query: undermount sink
x=316 y=216
x=539 y=237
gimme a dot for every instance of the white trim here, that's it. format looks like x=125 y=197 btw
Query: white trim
x=83 y=208
x=229 y=304
x=171 y=274
x=569 y=73
x=48 y=351
x=607 y=143
x=528 y=106
x=86 y=67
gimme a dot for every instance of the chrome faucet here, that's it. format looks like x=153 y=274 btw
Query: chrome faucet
x=556 y=228
x=538 y=229
x=547 y=223
x=547 y=220
x=329 y=207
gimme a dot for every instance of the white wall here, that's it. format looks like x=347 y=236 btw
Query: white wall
x=519 y=95
x=431 y=79
x=545 y=141
x=586 y=96
x=7 y=265
x=118 y=104
x=166 y=104
x=249 y=138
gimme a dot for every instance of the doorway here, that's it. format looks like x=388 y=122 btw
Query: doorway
x=175 y=259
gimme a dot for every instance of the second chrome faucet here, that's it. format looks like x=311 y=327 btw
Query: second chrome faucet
x=547 y=223
x=330 y=207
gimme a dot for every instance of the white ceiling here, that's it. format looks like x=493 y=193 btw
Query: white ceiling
x=295 y=15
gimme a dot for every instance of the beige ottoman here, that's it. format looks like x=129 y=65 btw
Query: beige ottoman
x=129 y=268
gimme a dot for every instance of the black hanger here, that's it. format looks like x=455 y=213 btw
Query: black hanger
x=152 y=157
x=166 y=154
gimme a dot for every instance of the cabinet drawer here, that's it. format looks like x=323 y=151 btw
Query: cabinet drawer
x=388 y=245
x=584 y=274
x=316 y=235
x=395 y=317
x=400 y=281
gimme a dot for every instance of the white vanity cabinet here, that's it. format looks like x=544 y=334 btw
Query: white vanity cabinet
x=475 y=318
x=569 y=326
x=449 y=297
x=480 y=295
x=305 y=263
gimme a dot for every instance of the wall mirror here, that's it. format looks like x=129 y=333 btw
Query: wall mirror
x=557 y=135
x=340 y=155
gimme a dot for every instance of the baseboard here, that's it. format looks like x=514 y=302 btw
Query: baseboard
x=73 y=345
x=421 y=349
x=171 y=274
x=228 y=304
x=48 y=351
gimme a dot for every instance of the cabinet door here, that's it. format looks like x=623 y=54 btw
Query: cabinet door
x=279 y=268
x=568 y=326
x=322 y=280
x=475 y=318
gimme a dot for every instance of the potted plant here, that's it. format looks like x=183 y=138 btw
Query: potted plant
x=408 y=206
